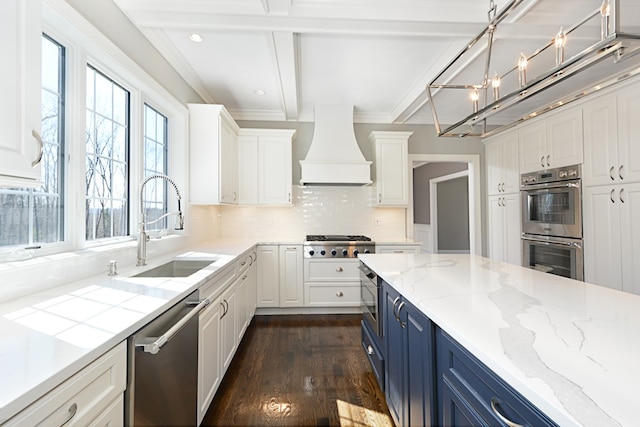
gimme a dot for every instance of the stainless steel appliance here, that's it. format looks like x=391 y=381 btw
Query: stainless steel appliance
x=552 y=221
x=370 y=296
x=337 y=246
x=162 y=375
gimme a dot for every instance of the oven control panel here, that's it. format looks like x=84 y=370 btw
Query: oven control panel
x=323 y=250
x=550 y=175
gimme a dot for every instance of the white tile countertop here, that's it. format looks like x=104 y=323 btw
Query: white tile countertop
x=48 y=336
x=569 y=347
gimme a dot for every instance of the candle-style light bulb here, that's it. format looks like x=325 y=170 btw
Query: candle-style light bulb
x=475 y=97
x=560 y=40
x=605 y=15
x=495 y=84
x=522 y=69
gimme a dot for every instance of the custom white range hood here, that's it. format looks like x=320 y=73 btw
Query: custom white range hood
x=334 y=157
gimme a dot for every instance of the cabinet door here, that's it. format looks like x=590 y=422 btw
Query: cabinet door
x=247 y=170
x=252 y=283
x=455 y=410
x=392 y=172
x=20 y=146
x=600 y=141
x=291 y=277
x=274 y=168
x=209 y=370
x=533 y=147
x=602 y=246
x=268 y=288
x=242 y=304
x=510 y=164
x=628 y=142
x=228 y=327
x=228 y=164
x=564 y=139
x=420 y=368
x=496 y=228
x=629 y=196
x=512 y=223
x=396 y=357
x=495 y=169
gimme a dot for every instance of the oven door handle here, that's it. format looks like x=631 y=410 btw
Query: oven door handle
x=550 y=185
x=553 y=242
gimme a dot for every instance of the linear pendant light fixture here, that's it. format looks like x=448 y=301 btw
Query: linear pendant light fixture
x=506 y=78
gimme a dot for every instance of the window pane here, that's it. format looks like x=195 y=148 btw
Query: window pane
x=155 y=149
x=35 y=216
x=107 y=158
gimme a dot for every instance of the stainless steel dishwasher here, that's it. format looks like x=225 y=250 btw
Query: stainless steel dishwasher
x=162 y=377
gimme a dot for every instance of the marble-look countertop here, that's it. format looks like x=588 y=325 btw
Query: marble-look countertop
x=569 y=347
x=48 y=336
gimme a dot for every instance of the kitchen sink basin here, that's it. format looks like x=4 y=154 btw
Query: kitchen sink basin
x=176 y=268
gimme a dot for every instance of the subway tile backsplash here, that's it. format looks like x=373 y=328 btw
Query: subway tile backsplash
x=316 y=210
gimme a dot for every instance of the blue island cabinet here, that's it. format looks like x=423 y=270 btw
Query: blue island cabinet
x=410 y=361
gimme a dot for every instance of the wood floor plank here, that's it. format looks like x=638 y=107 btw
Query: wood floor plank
x=301 y=370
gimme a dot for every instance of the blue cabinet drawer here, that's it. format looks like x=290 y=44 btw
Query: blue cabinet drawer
x=464 y=377
x=374 y=354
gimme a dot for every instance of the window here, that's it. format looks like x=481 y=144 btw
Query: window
x=155 y=162
x=107 y=161
x=35 y=216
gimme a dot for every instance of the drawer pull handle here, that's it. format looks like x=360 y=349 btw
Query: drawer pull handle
x=339 y=270
x=38 y=159
x=72 y=413
x=620 y=172
x=402 y=324
x=369 y=350
x=243 y=263
x=494 y=404
x=611 y=195
x=611 y=173
x=339 y=294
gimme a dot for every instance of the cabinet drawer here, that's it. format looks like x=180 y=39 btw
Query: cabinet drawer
x=478 y=386
x=333 y=295
x=374 y=354
x=397 y=249
x=245 y=262
x=84 y=397
x=331 y=270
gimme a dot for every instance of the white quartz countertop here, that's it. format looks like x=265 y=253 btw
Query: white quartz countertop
x=569 y=347
x=48 y=336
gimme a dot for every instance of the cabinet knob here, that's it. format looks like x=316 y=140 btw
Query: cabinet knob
x=369 y=350
x=339 y=270
x=339 y=294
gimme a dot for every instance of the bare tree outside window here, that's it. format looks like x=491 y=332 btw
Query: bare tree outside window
x=35 y=216
x=155 y=162
x=107 y=161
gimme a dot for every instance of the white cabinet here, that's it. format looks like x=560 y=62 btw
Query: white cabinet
x=552 y=142
x=268 y=272
x=291 y=278
x=93 y=396
x=20 y=143
x=213 y=155
x=264 y=166
x=504 y=228
x=612 y=236
x=392 y=167
x=398 y=249
x=332 y=282
x=209 y=366
x=228 y=326
x=612 y=151
x=503 y=174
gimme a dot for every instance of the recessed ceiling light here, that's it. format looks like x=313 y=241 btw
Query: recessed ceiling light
x=259 y=92
x=195 y=37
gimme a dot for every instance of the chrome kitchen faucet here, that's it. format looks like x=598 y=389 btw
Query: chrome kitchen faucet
x=143 y=238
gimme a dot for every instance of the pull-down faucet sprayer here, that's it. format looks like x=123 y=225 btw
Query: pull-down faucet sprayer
x=143 y=238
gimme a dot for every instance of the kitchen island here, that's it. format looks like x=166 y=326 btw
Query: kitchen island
x=568 y=347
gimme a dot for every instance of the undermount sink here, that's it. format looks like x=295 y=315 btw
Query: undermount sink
x=176 y=268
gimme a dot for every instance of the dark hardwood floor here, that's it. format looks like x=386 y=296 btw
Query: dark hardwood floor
x=302 y=370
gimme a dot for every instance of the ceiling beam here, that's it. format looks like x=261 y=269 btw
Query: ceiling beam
x=286 y=52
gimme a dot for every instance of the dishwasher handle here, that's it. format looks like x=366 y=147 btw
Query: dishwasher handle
x=153 y=345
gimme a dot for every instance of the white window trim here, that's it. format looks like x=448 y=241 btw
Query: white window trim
x=86 y=45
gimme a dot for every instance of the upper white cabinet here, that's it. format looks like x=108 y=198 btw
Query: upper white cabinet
x=392 y=167
x=213 y=154
x=503 y=175
x=551 y=142
x=264 y=166
x=20 y=142
x=611 y=148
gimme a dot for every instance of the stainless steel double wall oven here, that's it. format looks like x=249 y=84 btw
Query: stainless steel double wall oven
x=552 y=221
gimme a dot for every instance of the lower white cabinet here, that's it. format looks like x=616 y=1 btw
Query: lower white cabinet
x=505 y=242
x=332 y=282
x=229 y=325
x=291 y=281
x=93 y=396
x=612 y=236
x=209 y=372
x=268 y=272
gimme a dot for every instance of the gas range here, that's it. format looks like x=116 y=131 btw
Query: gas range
x=337 y=246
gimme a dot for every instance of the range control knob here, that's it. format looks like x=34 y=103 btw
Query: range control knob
x=367 y=251
x=355 y=253
x=323 y=252
x=344 y=252
x=333 y=252
x=312 y=252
